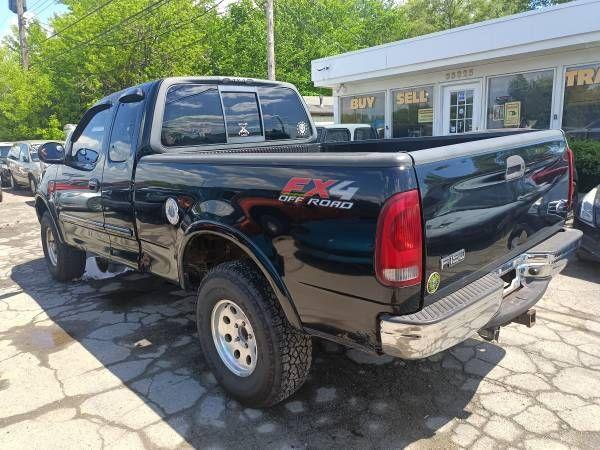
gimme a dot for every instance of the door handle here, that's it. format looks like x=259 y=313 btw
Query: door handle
x=94 y=185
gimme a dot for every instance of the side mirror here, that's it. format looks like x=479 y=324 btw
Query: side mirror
x=52 y=153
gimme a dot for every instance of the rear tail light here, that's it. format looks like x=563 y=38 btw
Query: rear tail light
x=399 y=241
x=571 y=160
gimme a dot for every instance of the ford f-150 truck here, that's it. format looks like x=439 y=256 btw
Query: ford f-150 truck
x=403 y=247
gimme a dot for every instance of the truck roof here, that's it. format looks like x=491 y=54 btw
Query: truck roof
x=220 y=80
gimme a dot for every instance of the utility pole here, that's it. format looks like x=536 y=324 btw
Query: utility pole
x=270 y=40
x=19 y=8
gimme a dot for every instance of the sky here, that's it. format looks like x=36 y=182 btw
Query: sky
x=44 y=10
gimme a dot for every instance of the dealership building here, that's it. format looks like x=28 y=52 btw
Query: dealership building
x=539 y=69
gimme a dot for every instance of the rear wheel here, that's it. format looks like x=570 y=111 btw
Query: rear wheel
x=253 y=351
x=64 y=262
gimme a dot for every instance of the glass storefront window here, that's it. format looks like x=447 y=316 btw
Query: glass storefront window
x=366 y=108
x=412 y=112
x=522 y=100
x=581 y=110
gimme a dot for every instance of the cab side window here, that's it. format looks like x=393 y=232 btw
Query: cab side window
x=123 y=132
x=88 y=146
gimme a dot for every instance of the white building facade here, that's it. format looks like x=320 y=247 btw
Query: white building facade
x=538 y=69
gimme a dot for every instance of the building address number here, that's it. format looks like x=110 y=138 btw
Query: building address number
x=458 y=74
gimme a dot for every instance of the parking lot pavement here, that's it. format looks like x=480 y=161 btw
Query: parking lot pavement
x=115 y=363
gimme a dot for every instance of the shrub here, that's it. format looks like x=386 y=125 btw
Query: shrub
x=587 y=163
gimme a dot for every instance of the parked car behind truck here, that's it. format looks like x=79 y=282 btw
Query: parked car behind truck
x=24 y=166
x=4 y=174
x=345 y=132
x=404 y=247
x=587 y=219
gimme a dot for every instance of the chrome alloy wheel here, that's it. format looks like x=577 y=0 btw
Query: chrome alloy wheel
x=234 y=338
x=51 y=246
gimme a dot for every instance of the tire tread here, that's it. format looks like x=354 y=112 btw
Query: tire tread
x=293 y=346
x=71 y=261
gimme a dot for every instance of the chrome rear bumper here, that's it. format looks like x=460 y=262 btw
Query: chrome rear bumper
x=461 y=314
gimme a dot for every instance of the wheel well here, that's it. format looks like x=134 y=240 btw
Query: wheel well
x=40 y=208
x=203 y=252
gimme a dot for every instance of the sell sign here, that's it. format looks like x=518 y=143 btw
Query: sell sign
x=412 y=97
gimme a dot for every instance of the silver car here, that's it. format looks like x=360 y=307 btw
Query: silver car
x=23 y=165
x=4 y=149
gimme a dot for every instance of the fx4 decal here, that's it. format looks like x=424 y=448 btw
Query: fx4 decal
x=314 y=191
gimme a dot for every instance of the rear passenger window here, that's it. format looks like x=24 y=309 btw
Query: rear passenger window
x=284 y=115
x=241 y=114
x=193 y=116
x=337 y=135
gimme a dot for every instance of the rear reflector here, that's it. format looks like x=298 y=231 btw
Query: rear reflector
x=399 y=241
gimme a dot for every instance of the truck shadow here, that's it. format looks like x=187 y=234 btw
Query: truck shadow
x=142 y=330
x=583 y=270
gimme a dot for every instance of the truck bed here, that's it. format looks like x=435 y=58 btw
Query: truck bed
x=325 y=254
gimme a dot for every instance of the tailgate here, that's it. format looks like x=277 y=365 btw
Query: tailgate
x=485 y=202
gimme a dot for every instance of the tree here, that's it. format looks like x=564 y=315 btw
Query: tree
x=428 y=16
x=98 y=47
x=26 y=108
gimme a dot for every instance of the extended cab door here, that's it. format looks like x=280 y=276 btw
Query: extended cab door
x=117 y=184
x=76 y=190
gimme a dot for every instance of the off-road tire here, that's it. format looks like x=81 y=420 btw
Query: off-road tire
x=70 y=262
x=284 y=352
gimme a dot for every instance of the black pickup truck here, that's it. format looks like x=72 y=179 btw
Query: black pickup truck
x=403 y=246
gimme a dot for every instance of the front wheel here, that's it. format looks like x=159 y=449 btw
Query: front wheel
x=250 y=346
x=64 y=262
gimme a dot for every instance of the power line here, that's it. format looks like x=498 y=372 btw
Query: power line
x=36 y=4
x=46 y=7
x=198 y=40
x=105 y=31
x=85 y=16
x=157 y=4
x=169 y=27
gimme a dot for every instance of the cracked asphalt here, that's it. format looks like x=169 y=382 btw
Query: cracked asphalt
x=115 y=363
